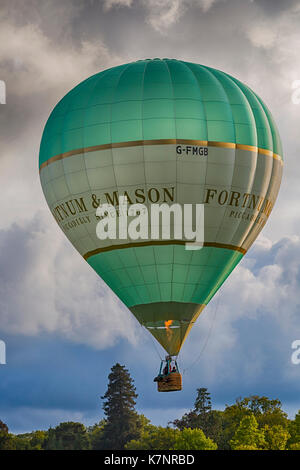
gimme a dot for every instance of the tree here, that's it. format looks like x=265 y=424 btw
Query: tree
x=276 y=437
x=154 y=438
x=96 y=434
x=3 y=427
x=22 y=443
x=122 y=421
x=159 y=438
x=31 y=441
x=232 y=416
x=294 y=430
x=7 y=441
x=248 y=436
x=267 y=412
x=38 y=440
x=197 y=417
x=193 y=439
x=68 y=436
x=202 y=417
x=295 y=446
x=202 y=404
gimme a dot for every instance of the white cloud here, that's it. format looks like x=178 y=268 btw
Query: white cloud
x=108 y=4
x=162 y=14
x=204 y=4
x=263 y=289
x=261 y=35
x=47 y=287
x=34 y=63
x=38 y=71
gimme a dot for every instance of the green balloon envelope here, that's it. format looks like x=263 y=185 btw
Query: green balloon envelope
x=162 y=131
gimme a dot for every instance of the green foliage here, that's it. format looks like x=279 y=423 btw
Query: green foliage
x=231 y=418
x=198 y=417
x=276 y=437
x=68 y=436
x=155 y=438
x=159 y=438
x=294 y=430
x=31 y=441
x=122 y=421
x=203 y=402
x=267 y=412
x=193 y=439
x=7 y=441
x=248 y=435
x=3 y=427
x=203 y=417
x=251 y=423
x=38 y=440
x=295 y=446
x=95 y=434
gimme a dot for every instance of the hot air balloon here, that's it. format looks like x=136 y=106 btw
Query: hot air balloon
x=162 y=131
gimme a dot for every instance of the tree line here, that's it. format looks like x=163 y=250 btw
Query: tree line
x=251 y=423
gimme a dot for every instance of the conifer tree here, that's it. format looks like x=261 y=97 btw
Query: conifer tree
x=122 y=421
x=203 y=401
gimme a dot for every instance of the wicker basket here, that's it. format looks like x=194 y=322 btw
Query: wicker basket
x=171 y=383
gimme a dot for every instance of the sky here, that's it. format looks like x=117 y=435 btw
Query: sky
x=61 y=342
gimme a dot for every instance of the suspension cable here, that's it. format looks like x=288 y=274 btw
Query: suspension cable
x=206 y=341
x=153 y=341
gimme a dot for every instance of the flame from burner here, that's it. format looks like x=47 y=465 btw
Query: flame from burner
x=168 y=323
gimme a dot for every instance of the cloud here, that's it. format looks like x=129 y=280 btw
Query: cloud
x=34 y=63
x=108 y=4
x=25 y=419
x=275 y=34
x=250 y=325
x=47 y=287
x=270 y=276
x=205 y=5
x=46 y=69
x=162 y=14
x=261 y=35
x=38 y=70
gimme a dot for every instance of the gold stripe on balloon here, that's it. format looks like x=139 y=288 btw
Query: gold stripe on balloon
x=159 y=243
x=136 y=143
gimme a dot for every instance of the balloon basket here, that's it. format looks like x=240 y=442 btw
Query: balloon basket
x=170 y=383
